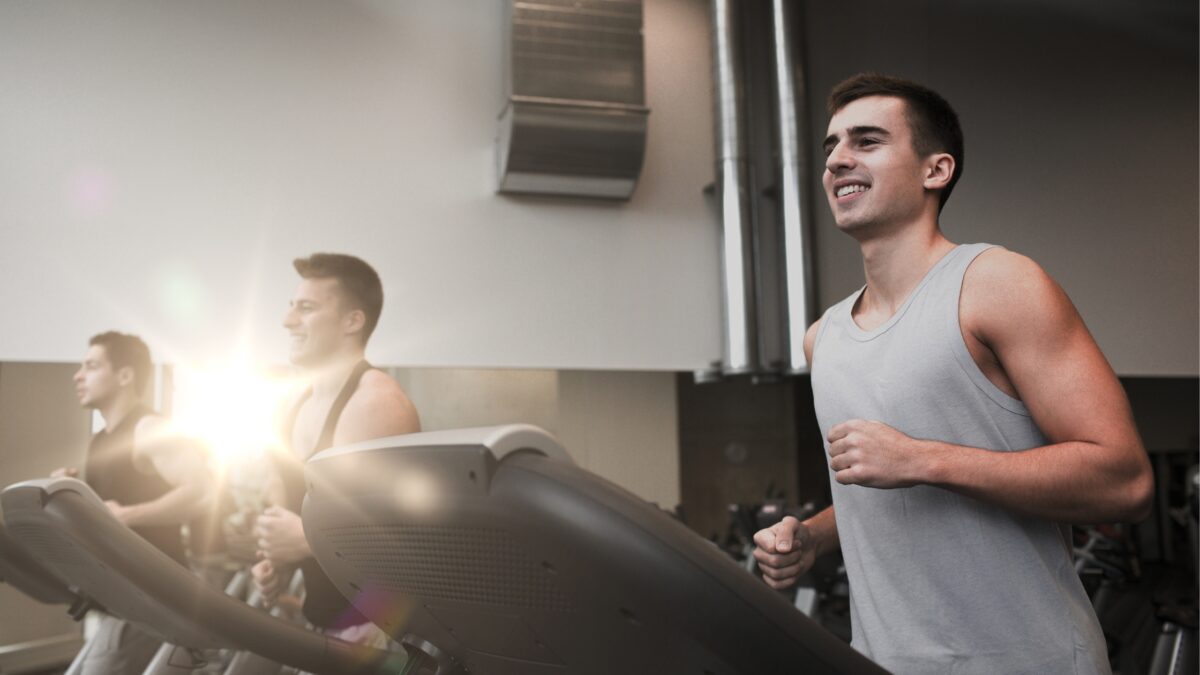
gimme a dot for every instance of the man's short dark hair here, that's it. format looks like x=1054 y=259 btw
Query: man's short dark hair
x=126 y=351
x=933 y=122
x=359 y=283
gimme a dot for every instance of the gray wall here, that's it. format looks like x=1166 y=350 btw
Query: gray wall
x=1081 y=149
x=619 y=425
x=42 y=428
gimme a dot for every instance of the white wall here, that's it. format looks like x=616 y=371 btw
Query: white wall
x=162 y=162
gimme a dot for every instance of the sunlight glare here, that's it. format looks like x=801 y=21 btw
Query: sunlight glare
x=233 y=409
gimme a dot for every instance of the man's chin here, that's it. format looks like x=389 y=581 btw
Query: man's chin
x=304 y=359
x=848 y=224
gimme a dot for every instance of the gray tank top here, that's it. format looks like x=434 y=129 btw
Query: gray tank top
x=940 y=582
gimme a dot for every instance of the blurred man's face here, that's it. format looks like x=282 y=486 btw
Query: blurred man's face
x=96 y=382
x=314 y=322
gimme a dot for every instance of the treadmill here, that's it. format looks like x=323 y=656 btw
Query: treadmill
x=21 y=571
x=66 y=528
x=488 y=551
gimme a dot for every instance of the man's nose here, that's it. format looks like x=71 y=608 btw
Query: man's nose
x=839 y=158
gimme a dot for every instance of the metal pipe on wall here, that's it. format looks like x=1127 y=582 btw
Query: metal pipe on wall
x=740 y=351
x=789 y=94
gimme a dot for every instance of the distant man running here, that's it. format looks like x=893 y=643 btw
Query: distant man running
x=152 y=479
x=332 y=314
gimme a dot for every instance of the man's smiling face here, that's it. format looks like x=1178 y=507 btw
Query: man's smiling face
x=873 y=175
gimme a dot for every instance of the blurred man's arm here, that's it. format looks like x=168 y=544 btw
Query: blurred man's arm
x=181 y=462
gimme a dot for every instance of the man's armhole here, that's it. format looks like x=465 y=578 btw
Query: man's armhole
x=142 y=454
x=817 y=330
x=966 y=328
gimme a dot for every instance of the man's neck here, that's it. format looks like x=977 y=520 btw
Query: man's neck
x=896 y=261
x=327 y=379
x=115 y=411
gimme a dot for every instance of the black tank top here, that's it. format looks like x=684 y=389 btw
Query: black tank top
x=324 y=605
x=111 y=473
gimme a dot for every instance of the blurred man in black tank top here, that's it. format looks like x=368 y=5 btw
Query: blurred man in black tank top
x=151 y=479
x=329 y=320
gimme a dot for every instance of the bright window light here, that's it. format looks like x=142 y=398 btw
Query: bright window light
x=234 y=409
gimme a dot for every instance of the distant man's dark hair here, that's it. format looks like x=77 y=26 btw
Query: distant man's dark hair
x=126 y=351
x=359 y=283
x=933 y=122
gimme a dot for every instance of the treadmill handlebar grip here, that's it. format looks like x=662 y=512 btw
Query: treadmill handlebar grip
x=500 y=441
x=48 y=487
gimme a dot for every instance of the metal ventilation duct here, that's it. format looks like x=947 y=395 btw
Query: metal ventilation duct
x=737 y=253
x=789 y=94
x=574 y=116
x=761 y=180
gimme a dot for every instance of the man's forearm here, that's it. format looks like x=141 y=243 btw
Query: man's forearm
x=175 y=507
x=1073 y=482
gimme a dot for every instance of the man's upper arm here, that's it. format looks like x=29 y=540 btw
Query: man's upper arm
x=179 y=460
x=378 y=409
x=1013 y=307
x=810 y=340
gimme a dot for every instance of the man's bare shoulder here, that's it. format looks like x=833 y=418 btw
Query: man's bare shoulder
x=1006 y=290
x=157 y=437
x=150 y=425
x=378 y=408
x=153 y=434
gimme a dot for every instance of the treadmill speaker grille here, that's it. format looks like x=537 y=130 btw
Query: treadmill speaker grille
x=45 y=544
x=464 y=564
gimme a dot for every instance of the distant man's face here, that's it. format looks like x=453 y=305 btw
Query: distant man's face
x=315 y=322
x=96 y=382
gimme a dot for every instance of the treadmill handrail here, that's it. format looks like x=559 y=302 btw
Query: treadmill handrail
x=501 y=440
x=22 y=571
x=72 y=510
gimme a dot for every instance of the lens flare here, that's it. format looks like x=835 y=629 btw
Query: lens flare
x=234 y=409
x=417 y=492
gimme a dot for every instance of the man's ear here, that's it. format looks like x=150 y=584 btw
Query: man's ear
x=125 y=376
x=354 y=321
x=939 y=169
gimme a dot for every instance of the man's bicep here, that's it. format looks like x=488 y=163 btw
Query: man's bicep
x=379 y=415
x=182 y=462
x=1054 y=363
x=396 y=415
x=158 y=447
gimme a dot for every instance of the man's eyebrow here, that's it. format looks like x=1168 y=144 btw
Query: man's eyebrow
x=855 y=132
x=863 y=131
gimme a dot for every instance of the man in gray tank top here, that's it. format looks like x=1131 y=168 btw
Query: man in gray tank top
x=969 y=419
